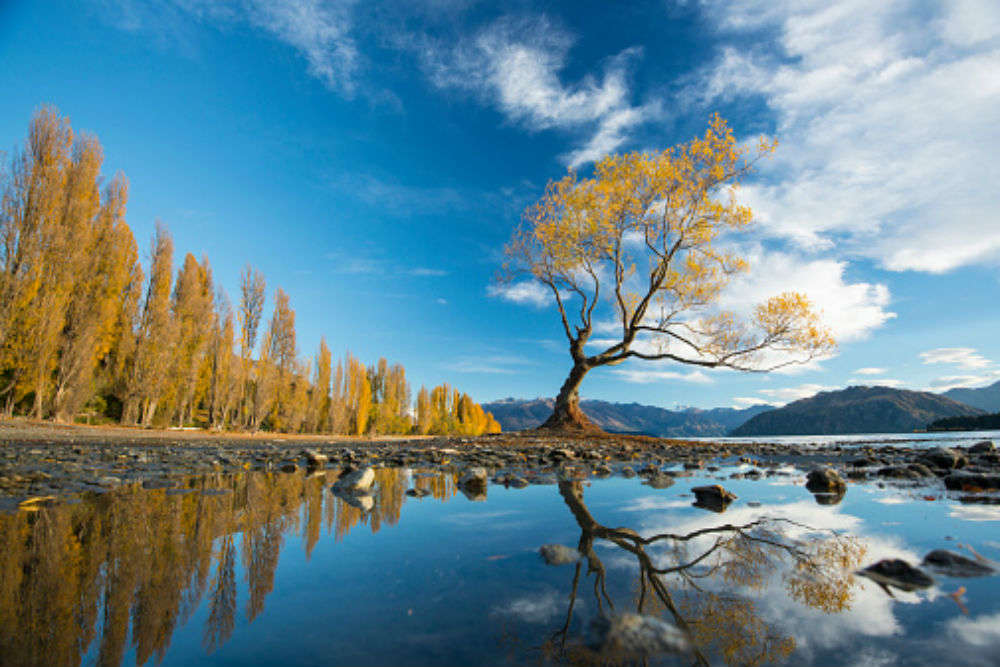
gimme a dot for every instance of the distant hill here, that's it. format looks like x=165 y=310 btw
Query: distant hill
x=977 y=423
x=856 y=410
x=984 y=398
x=519 y=415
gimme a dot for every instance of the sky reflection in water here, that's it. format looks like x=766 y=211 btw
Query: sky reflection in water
x=276 y=569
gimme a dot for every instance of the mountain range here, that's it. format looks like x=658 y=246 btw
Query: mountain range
x=852 y=410
x=518 y=415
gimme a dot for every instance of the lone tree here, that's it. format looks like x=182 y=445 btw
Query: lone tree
x=643 y=233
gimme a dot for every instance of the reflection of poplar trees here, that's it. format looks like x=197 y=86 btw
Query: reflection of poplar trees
x=145 y=559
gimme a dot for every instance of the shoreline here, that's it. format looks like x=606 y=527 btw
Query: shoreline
x=55 y=460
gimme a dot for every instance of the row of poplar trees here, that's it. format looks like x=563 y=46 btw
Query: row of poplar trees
x=85 y=331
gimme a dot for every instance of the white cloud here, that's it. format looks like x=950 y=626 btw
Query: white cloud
x=789 y=394
x=423 y=271
x=526 y=292
x=870 y=370
x=515 y=64
x=851 y=310
x=889 y=122
x=961 y=381
x=649 y=372
x=963 y=357
x=877 y=382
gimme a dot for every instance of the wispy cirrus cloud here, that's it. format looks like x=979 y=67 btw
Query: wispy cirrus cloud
x=870 y=370
x=516 y=64
x=525 y=292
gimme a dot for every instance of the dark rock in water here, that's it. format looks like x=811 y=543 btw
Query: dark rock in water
x=561 y=454
x=603 y=470
x=829 y=498
x=961 y=481
x=417 y=492
x=825 y=480
x=315 y=459
x=660 y=481
x=982 y=447
x=473 y=479
x=898 y=574
x=945 y=458
x=955 y=565
x=474 y=493
x=288 y=466
x=517 y=482
x=714 y=497
x=557 y=554
x=628 y=471
x=634 y=635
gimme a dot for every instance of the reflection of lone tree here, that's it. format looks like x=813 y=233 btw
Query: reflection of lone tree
x=640 y=233
x=717 y=622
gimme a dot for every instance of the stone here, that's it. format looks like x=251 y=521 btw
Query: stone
x=714 y=497
x=517 y=482
x=982 y=447
x=314 y=459
x=628 y=471
x=964 y=481
x=356 y=481
x=898 y=574
x=417 y=492
x=945 y=458
x=557 y=554
x=634 y=635
x=109 y=480
x=825 y=480
x=955 y=565
x=288 y=466
x=660 y=481
x=362 y=501
x=473 y=478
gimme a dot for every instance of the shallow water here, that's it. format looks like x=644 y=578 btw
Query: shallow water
x=274 y=569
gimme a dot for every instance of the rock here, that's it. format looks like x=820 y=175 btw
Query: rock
x=315 y=459
x=356 y=481
x=714 y=497
x=660 y=481
x=363 y=501
x=898 y=574
x=626 y=635
x=955 y=565
x=517 y=482
x=965 y=481
x=825 y=480
x=945 y=458
x=829 y=498
x=288 y=466
x=982 y=447
x=109 y=480
x=473 y=478
x=628 y=471
x=417 y=492
x=603 y=470
x=557 y=554
x=562 y=454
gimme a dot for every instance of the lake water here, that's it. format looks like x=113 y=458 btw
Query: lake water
x=922 y=439
x=274 y=569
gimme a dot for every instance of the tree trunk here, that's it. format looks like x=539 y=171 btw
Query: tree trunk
x=566 y=413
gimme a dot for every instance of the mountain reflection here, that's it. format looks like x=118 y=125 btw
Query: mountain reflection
x=705 y=582
x=131 y=566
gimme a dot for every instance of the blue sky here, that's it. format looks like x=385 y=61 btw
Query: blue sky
x=372 y=159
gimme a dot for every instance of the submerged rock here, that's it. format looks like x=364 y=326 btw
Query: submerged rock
x=660 y=481
x=417 y=492
x=557 y=554
x=714 y=497
x=635 y=635
x=952 y=564
x=829 y=498
x=825 y=480
x=473 y=479
x=362 y=501
x=314 y=459
x=964 y=481
x=898 y=574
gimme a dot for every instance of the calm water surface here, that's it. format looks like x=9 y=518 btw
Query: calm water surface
x=274 y=569
x=931 y=439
